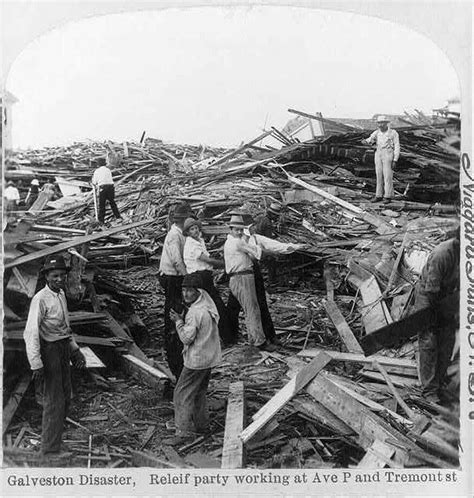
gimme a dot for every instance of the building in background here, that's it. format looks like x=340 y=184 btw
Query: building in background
x=7 y=100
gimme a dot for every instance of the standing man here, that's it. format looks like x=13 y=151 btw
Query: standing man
x=102 y=179
x=438 y=289
x=11 y=198
x=50 y=348
x=239 y=257
x=32 y=193
x=172 y=271
x=201 y=352
x=386 y=157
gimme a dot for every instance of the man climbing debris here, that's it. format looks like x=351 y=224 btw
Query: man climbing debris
x=386 y=157
x=103 y=181
x=50 y=348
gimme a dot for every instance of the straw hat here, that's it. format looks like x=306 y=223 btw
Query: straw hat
x=382 y=119
x=274 y=208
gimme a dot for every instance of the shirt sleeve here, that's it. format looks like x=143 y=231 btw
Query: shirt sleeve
x=187 y=330
x=31 y=334
x=275 y=246
x=252 y=251
x=396 y=144
x=373 y=138
x=435 y=276
x=176 y=254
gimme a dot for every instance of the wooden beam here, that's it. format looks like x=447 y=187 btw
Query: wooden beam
x=14 y=401
x=336 y=124
x=233 y=451
x=285 y=394
x=345 y=332
x=149 y=375
x=72 y=243
x=360 y=358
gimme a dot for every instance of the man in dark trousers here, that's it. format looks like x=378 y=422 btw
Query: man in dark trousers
x=50 y=348
x=438 y=288
x=102 y=180
x=172 y=271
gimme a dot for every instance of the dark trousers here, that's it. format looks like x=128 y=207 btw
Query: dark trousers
x=107 y=193
x=190 y=402
x=224 y=325
x=173 y=299
x=435 y=347
x=56 y=390
x=233 y=309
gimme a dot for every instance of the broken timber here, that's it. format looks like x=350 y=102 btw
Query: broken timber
x=14 y=401
x=72 y=243
x=348 y=338
x=280 y=399
x=148 y=374
x=233 y=451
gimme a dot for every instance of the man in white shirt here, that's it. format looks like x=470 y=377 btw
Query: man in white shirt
x=239 y=257
x=50 y=347
x=386 y=157
x=199 y=263
x=102 y=179
x=12 y=198
x=172 y=271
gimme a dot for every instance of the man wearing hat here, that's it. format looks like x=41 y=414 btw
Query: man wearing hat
x=102 y=179
x=33 y=192
x=386 y=157
x=264 y=222
x=11 y=197
x=198 y=332
x=50 y=348
x=198 y=262
x=239 y=257
x=172 y=271
x=438 y=289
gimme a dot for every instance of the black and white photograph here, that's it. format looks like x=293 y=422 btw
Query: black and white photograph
x=237 y=248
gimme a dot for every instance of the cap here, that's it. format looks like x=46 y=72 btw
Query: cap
x=55 y=262
x=35 y=182
x=192 y=280
x=190 y=222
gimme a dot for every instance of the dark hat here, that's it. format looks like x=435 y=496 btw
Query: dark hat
x=54 y=262
x=192 y=280
x=181 y=211
x=237 y=221
x=101 y=161
x=190 y=222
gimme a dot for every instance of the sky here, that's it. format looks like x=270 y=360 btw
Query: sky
x=218 y=76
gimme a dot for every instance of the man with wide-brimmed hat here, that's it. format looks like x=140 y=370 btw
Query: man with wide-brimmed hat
x=172 y=271
x=50 y=348
x=239 y=257
x=198 y=262
x=386 y=157
x=198 y=332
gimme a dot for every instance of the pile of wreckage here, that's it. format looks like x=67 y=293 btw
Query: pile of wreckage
x=341 y=307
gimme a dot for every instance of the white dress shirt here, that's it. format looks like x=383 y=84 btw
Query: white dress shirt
x=386 y=140
x=193 y=250
x=102 y=176
x=239 y=254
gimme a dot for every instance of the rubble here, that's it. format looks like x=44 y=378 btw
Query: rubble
x=355 y=403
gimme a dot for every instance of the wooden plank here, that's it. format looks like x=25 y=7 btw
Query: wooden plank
x=377 y=457
x=15 y=400
x=280 y=399
x=346 y=334
x=92 y=361
x=410 y=413
x=360 y=358
x=397 y=380
x=318 y=117
x=375 y=313
x=233 y=452
x=72 y=243
x=146 y=373
x=146 y=459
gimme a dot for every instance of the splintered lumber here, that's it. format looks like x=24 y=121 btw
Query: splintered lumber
x=15 y=400
x=378 y=456
x=148 y=374
x=360 y=358
x=233 y=452
x=280 y=399
x=410 y=413
x=346 y=334
x=77 y=241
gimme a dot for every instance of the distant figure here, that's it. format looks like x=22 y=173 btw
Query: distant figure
x=102 y=179
x=438 y=288
x=32 y=193
x=386 y=157
x=12 y=198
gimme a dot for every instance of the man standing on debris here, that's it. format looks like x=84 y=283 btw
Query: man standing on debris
x=438 y=289
x=239 y=256
x=263 y=246
x=11 y=197
x=201 y=352
x=172 y=271
x=197 y=261
x=102 y=179
x=32 y=193
x=50 y=348
x=386 y=157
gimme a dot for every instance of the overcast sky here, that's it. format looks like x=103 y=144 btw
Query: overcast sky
x=217 y=75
